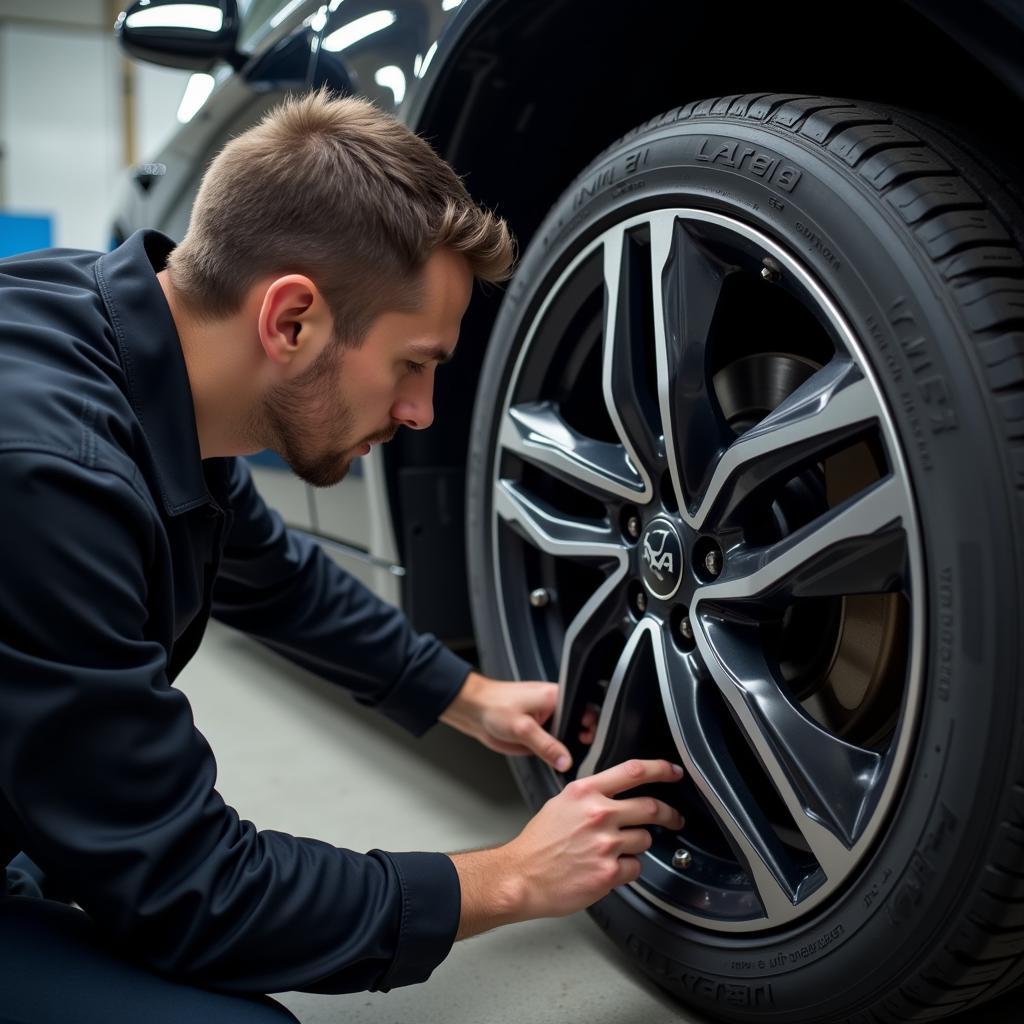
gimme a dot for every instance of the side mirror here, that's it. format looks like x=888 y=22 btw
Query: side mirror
x=192 y=36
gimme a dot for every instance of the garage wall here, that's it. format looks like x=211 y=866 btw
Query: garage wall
x=62 y=122
x=61 y=130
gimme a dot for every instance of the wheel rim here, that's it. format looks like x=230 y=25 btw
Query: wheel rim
x=703 y=523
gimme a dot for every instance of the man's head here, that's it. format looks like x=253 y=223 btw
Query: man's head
x=346 y=248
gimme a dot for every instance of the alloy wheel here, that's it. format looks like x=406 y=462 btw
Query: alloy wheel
x=704 y=527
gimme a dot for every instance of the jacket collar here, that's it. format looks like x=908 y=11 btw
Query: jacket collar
x=158 y=385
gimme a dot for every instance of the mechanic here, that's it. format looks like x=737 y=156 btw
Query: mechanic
x=328 y=263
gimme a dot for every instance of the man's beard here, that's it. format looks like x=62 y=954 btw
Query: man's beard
x=308 y=406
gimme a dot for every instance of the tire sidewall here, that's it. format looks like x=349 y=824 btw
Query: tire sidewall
x=923 y=866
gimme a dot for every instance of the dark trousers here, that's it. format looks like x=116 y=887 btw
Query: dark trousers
x=55 y=968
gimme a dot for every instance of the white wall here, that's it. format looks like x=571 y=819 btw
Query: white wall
x=85 y=13
x=61 y=128
x=62 y=115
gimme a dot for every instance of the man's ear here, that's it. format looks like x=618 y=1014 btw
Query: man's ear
x=294 y=321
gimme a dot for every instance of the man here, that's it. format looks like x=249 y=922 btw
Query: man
x=324 y=275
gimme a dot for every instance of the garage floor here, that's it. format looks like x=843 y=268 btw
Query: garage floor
x=296 y=754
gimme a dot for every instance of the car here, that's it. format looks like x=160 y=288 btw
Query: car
x=737 y=457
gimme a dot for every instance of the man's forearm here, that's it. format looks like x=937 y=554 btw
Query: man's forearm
x=492 y=894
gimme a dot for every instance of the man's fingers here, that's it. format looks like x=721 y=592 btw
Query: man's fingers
x=636 y=841
x=541 y=698
x=645 y=810
x=588 y=724
x=543 y=744
x=631 y=774
x=629 y=871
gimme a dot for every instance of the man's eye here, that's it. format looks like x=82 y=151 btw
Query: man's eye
x=415 y=367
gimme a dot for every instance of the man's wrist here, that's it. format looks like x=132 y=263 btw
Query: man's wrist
x=463 y=712
x=494 y=892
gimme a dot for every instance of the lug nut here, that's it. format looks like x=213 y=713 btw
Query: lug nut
x=682 y=859
x=633 y=527
x=540 y=597
x=771 y=271
x=713 y=561
x=641 y=602
x=685 y=629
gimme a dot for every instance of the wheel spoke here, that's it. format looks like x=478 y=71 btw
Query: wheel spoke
x=858 y=547
x=687 y=287
x=631 y=408
x=826 y=783
x=693 y=717
x=831 y=406
x=595 y=620
x=536 y=431
x=552 y=532
x=619 y=712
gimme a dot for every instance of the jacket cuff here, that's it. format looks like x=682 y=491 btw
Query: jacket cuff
x=431 y=909
x=418 y=699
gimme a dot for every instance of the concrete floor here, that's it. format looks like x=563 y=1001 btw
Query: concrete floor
x=297 y=754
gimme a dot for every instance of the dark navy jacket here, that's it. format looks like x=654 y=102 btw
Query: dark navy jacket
x=116 y=544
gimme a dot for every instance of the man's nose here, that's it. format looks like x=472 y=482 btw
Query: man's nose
x=415 y=408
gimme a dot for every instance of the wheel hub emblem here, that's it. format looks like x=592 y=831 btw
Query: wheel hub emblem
x=662 y=558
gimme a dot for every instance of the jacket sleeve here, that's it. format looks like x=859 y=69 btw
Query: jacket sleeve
x=110 y=787
x=279 y=586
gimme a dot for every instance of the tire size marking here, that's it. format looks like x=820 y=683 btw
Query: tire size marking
x=755 y=163
x=810 y=950
x=629 y=164
x=925 y=386
x=944 y=683
x=914 y=887
x=906 y=397
x=637 y=159
x=877 y=887
x=931 y=387
x=818 y=245
x=732 y=993
x=627 y=186
x=592 y=187
x=787 y=957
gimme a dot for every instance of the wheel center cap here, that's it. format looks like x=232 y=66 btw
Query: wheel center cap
x=661 y=556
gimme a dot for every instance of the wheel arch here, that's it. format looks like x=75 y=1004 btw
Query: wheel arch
x=561 y=82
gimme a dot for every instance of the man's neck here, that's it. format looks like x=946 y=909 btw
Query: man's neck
x=219 y=395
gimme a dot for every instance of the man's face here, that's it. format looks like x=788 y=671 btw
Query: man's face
x=353 y=397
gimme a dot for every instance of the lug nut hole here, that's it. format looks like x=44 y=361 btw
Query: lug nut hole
x=708 y=560
x=637 y=600
x=631 y=524
x=682 y=628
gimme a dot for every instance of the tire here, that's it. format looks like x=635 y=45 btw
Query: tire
x=788 y=224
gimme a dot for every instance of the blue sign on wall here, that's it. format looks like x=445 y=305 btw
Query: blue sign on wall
x=20 y=233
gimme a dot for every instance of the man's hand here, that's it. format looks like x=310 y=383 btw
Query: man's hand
x=578 y=847
x=509 y=717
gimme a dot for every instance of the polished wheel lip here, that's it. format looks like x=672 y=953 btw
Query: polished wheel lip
x=661 y=223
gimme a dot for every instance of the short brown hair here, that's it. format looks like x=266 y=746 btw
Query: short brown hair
x=342 y=192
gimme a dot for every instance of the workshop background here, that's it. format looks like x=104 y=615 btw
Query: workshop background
x=74 y=113
x=295 y=753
